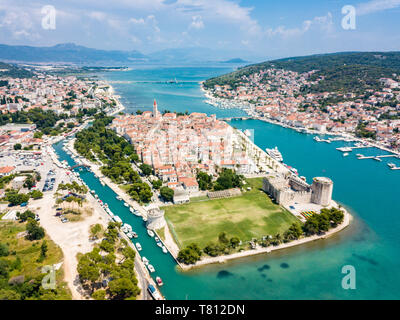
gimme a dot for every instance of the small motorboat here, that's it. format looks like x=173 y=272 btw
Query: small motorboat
x=164 y=249
x=157 y=239
x=134 y=235
x=159 y=281
x=118 y=198
x=145 y=261
x=128 y=227
x=150 y=233
x=124 y=229
x=138 y=246
x=151 y=268
x=129 y=235
x=345 y=154
x=131 y=210
x=159 y=244
x=126 y=205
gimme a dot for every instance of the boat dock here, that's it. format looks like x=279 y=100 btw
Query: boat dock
x=379 y=157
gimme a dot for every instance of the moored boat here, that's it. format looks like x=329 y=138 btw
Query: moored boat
x=151 y=268
x=153 y=292
x=275 y=154
x=150 y=233
x=159 y=281
x=138 y=246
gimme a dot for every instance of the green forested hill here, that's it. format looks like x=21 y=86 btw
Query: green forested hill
x=8 y=70
x=342 y=71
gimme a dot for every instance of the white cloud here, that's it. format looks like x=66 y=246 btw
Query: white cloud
x=97 y=15
x=324 y=23
x=197 y=23
x=221 y=11
x=137 y=21
x=376 y=6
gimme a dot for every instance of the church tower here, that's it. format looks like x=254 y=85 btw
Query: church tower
x=156 y=114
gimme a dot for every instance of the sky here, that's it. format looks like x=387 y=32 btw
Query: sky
x=248 y=28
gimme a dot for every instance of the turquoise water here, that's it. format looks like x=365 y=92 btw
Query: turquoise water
x=312 y=271
x=146 y=84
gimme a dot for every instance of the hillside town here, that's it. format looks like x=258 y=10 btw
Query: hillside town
x=277 y=95
x=57 y=103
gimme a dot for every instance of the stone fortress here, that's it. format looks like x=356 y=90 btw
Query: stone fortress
x=155 y=218
x=287 y=190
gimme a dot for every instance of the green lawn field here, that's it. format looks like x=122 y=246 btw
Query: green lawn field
x=252 y=215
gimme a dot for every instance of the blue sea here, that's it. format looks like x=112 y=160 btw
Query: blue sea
x=367 y=188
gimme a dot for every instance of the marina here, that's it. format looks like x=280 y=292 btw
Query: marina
x=371 y=242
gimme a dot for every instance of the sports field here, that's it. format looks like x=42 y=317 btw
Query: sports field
x=252 y=215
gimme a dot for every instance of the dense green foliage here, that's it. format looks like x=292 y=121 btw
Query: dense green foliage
x=13 y=71
x=21 y=262
x=146 y=169
x=228 y=179
x=5 y=180
x=73 y=187
x=24 y=216
x=322 y=222
x=34 y=231
x=45 y=120
x=99 y=143
x=348 y=71
x=15 y=198
x=167 y=194
x=204 y=180
x=156 y=184
x=141 y=192
x=101 y=268
x=190 y=255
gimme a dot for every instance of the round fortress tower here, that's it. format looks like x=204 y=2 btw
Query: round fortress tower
x=322 y=189
x=155 y=219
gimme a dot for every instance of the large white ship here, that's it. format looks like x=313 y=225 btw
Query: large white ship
x=275 y=154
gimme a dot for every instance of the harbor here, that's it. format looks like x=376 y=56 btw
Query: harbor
x=346 y=150
x=371 y=243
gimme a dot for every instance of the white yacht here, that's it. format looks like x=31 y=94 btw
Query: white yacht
x=145 y=261
x=151 y=268
x=138 y=246
x=150 y=233
x=275 y=154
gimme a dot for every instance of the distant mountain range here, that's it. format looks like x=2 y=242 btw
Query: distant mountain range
x=80 y=55
x=65 y=53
